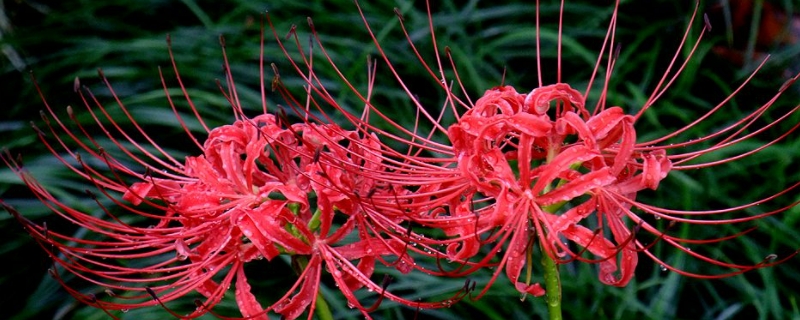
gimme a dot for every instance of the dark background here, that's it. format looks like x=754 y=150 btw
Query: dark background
x=58 y=41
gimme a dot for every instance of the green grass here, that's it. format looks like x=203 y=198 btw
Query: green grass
x=127 y=40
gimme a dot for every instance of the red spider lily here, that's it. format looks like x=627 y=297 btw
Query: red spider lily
x=512 y=173
x=541 y=169
x=196 y=223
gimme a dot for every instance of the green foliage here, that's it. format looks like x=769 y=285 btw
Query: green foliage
x=59 y=42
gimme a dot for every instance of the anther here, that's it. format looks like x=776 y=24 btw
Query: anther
x=44 y=117
x=398 y=14
x=38 y=131
x=387 y=279
x=151 y=293
x=292 y=30
x=317 y=154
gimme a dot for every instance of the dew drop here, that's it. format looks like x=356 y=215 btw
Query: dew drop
x=663 y=268
x=447 y=303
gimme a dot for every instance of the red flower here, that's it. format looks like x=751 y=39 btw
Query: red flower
x=511 y=173
x=539 y=169
x=194 y=225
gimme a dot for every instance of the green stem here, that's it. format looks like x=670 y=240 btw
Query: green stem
x=552 y=285
x=323 y=310
x=552 y=280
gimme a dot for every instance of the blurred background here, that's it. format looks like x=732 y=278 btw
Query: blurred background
x=59 y=41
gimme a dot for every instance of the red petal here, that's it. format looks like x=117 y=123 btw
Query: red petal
x=248 y=305
x=539 y=99
x=561 y=163
x=529 y=124
x=138 y=191
x=595 y=179
x=516 y=260
x=535 y=289
x=655 y=168
x=308 y=292
x=253 y=233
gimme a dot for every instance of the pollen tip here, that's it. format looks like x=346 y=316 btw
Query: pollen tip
x=275 y=70
x=222 y=41
x=707 y=22
x=310 y=22
x=151 y=293
x=43 y=115
x=292 y=30
x=398 y=14
x=771 y=257
x=38 y=131
x=100 y=73
x=76 y=84
x=387 y=279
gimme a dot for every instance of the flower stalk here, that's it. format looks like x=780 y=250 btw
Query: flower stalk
x=552 y=285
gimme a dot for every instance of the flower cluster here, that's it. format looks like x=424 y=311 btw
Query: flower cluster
x=516 y=173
